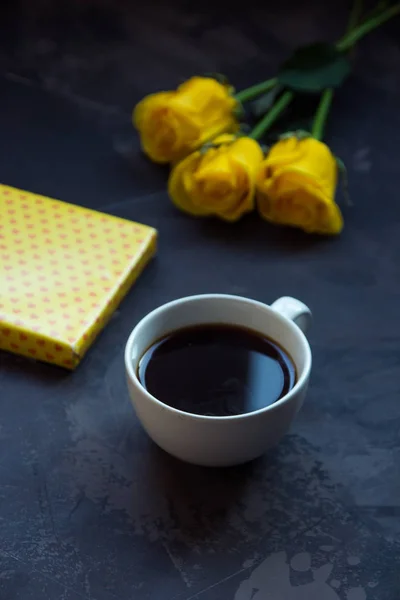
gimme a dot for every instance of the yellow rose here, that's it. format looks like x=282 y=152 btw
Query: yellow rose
x=173 y=124
x=219 y=181
x=296 y=186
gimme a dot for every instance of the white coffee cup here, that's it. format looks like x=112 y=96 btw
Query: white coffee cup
x=228 y=440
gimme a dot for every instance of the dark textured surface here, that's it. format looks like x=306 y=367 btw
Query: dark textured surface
x=89 y=508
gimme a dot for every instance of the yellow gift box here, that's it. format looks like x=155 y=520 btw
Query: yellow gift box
x=63 y=271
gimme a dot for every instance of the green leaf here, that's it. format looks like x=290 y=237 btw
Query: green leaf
x=315 y=67
x=262 y=105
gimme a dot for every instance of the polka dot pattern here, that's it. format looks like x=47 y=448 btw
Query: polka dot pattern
x=63 y=271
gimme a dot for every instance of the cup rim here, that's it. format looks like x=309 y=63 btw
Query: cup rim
x=131 y=372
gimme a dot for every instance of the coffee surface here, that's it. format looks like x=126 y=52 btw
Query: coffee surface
x=216 y=370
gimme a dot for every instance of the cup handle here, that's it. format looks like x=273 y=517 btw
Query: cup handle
x=294 y=310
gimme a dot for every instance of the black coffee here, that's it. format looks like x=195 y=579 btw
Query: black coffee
x=216 y=370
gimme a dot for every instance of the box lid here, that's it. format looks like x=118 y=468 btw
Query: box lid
x=63 y=271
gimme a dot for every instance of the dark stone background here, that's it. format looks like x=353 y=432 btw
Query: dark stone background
x=89 y=508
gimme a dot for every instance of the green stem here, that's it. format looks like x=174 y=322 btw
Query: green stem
x=352 y=38
x=256 y=90
x=271 y=116
x=377 y=10
x=355 y=16
x=354 y=21
x=322 y=114
x=327 y=96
